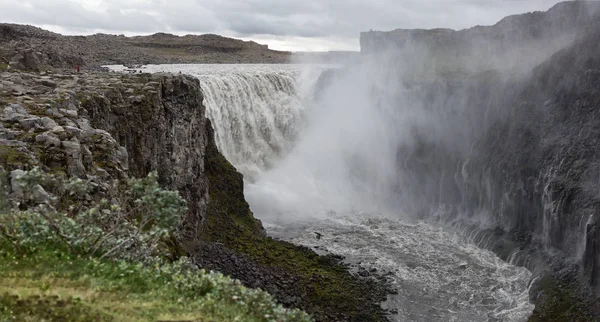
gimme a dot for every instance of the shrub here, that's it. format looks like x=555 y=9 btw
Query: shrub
x=130 y=227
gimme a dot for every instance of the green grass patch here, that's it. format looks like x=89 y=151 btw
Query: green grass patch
x=52 y=285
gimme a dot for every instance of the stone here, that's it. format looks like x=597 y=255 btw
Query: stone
x=30 y=123
x=15 y=186
x=13 y=113
x=40 y=196
x=48 y=123
x=84 y=124
x=27 y=60
x=87 y=156
x=73 y=131
x=54 y=113
x=66 y=122
x=71 y=113
x=123 y=158
x=48 y=83
x=101 y=172
x=18 y=108
x=74 y=162
x=48 y=139
x=58 y=130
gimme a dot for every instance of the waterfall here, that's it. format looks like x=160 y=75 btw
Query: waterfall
x=256 y=110
x=255 y=116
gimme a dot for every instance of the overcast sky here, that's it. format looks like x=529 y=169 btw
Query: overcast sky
x=283 y=24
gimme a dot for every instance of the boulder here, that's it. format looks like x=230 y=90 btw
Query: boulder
x=48 y=123
x=27 y=60
x=30 y=123
x=47 y=139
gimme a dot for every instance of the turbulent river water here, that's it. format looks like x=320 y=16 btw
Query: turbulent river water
x=316 y=174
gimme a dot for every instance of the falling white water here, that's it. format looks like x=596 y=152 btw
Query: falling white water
x=256 y=110
x=328 y=168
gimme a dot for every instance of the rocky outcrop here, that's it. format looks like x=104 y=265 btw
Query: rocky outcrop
x=101 y=49
x=515 y=41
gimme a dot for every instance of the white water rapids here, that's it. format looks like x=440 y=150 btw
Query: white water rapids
x=321 y=170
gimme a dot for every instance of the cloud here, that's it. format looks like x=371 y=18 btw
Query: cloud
x=285 y=22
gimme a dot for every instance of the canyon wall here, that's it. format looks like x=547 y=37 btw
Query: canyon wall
x=513 y=159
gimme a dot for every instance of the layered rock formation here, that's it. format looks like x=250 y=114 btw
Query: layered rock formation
x=519 y=40
x=516 y=154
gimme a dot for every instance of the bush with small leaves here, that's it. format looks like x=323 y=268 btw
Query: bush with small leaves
x=132 y=228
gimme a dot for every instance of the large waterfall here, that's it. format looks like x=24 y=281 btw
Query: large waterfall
x=339 y=165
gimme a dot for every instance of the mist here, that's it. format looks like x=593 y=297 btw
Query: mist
x=391 y=133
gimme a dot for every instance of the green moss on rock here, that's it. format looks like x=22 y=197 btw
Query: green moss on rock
x=329 y=289
x=12 y=158
x=558 y=301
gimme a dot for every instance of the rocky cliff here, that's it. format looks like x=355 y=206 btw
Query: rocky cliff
x=515 y=160
x=106 y=127
x=514 y=41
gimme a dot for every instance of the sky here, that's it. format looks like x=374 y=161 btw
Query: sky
x=298 y=25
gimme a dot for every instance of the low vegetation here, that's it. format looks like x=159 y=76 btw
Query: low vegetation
x=69 y=258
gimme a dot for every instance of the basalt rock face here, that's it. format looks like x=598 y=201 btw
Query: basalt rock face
x=162 y=127
x=513 y=152
x=515 y=40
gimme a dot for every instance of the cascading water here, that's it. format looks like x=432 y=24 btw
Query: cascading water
x=256 y=110
x=332 y=166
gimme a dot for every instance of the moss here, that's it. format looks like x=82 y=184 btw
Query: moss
x=3 y=67
x=558 y=301
x=330 y=290
x=11 y=158
x=27 y=137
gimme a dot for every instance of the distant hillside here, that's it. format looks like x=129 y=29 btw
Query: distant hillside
x=101 y=49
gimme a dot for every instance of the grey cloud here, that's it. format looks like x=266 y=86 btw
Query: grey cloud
x=318 y=19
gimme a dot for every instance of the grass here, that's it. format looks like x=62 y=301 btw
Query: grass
x=54 y=286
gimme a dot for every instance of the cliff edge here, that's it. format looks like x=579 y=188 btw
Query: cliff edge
x=106 y=127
